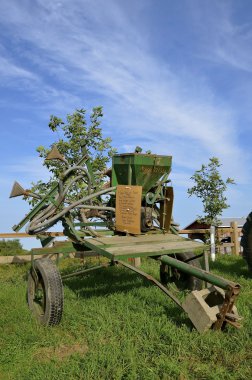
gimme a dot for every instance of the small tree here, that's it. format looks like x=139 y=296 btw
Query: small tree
x=72 y=135
x=210 y=188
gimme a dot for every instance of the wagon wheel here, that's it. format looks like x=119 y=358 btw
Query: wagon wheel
x=182 y=280
x=45 y=292
x=246 y=241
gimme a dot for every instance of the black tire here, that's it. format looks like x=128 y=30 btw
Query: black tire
x=45 y=292
x=182 y=280
x=246 y=241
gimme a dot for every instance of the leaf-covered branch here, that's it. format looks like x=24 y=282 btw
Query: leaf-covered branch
x=70 y=137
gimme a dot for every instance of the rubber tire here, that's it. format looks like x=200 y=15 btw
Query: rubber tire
x=50 y=285
x=246 y=241
x=186 y=281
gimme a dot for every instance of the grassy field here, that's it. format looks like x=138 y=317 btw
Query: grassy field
x=118 y=326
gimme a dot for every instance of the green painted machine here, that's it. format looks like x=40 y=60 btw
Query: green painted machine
x=130 y=216
x=246 y=241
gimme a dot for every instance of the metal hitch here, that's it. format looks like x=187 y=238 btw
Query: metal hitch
x=211 y=308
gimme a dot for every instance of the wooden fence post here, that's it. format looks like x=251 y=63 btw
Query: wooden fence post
x=235 y=239
x=136 y=261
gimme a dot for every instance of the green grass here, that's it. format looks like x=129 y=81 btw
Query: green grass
x=118 y=326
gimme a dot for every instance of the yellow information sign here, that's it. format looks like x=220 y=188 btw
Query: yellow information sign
x=128 y=208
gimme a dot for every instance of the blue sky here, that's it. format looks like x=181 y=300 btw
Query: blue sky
x=173 y=77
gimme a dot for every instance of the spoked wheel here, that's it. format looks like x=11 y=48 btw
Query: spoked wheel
x=246 y=241
x=45 y=292
x=182 y=280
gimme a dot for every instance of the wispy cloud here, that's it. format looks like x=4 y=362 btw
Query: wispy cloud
x=224 y=37
x=27 y=169
x=97 y=48
x=8 y=70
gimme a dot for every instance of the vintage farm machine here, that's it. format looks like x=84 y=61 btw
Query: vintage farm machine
x=246 y=241
x=128 y=217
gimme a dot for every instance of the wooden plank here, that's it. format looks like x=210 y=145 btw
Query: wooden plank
x=16 y=235
x=205 y=230
x=152 y=248
x=143 y=248
x=20 y=259
x=128 y=240
x=182 y=249
x=135 y=261
x=228 y=229
x=195 y=231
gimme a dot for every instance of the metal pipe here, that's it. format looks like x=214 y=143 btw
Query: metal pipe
x=41 y=204
x=50 y=209
x=129 y=175
x=94 y=207
x=199 y=273
x=82 y=169
x=84 y=271
x=90 y=229
x=37 y=228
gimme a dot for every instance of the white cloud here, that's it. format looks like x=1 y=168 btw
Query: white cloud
x=8 y=70
x=225 y=37
x=98 y=48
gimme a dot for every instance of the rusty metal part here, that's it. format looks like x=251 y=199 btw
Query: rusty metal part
x=225 y=313
x=16 y=190
x=54 y=154
x=166 y=209
x=15 y=235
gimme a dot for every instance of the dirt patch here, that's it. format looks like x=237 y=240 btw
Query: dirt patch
x=60 y=353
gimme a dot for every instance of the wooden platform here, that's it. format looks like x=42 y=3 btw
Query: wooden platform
x=118 y=247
